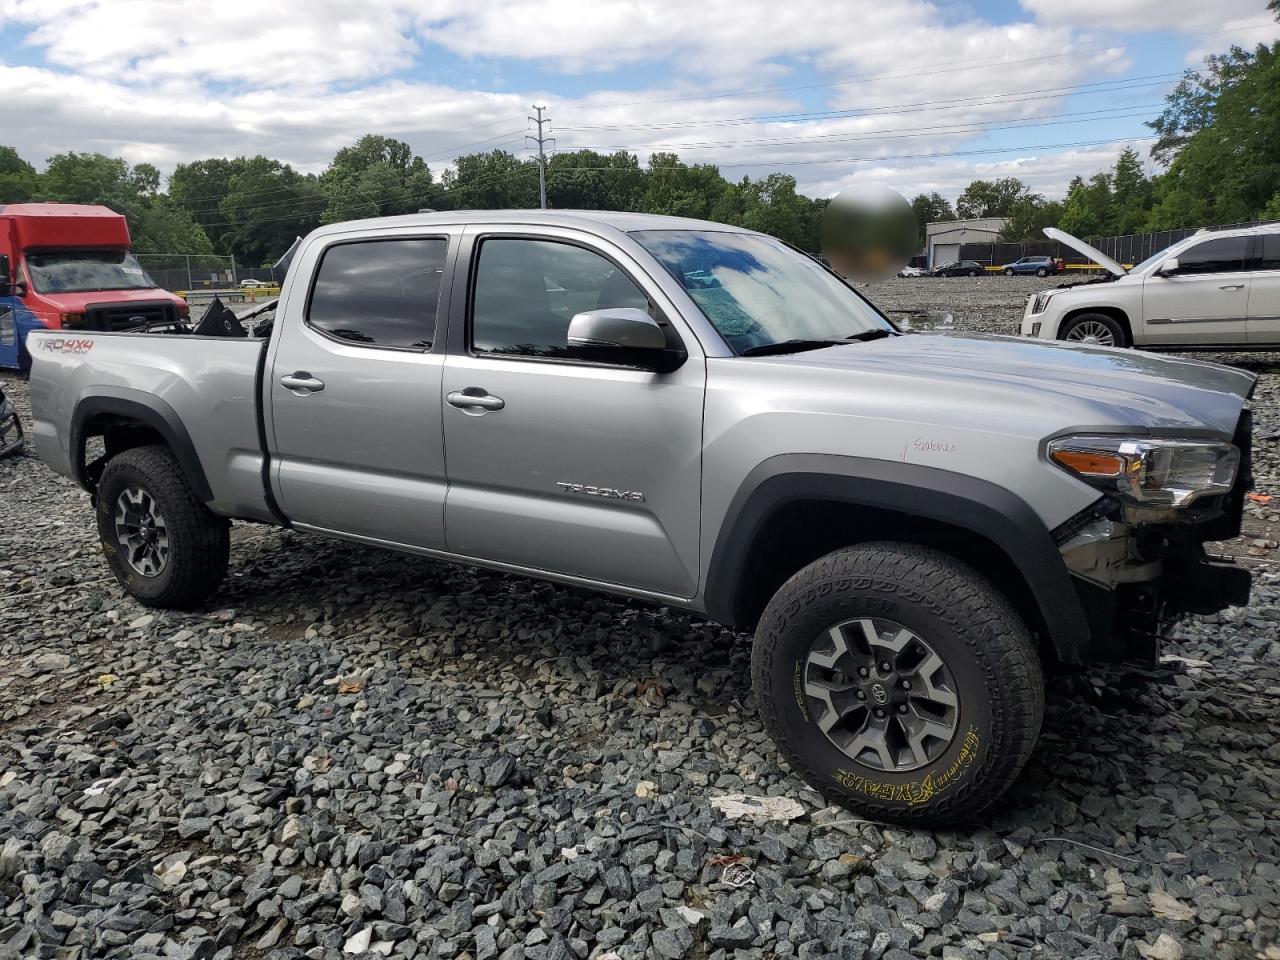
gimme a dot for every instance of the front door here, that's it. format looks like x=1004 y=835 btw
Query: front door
x=1206 y=301
x=355 y=393
x=583 y=469
x=1264 y=293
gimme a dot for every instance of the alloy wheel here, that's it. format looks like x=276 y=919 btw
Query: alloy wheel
x=883 y=695
x=142 y=531
x=1092 y=331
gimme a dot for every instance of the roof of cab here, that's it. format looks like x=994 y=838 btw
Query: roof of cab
x=56 y=210
x=591 y=220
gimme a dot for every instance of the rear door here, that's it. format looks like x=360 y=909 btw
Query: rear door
x=355 y=390
x=1264 y=292
x=583 y=469
x=1206 y=301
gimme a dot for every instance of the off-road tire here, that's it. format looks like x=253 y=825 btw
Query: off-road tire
x=1117 y=331
x=973 y=628
x=199 y=541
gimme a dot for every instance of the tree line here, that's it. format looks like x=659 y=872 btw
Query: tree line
x=1218 y=141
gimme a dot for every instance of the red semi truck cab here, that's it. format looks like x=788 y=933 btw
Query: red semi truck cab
x=68 y=266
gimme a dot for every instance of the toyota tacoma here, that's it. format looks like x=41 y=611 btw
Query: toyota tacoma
x=915 y=527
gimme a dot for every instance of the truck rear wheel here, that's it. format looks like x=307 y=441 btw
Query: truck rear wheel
x=164 y=546
x=898 y=683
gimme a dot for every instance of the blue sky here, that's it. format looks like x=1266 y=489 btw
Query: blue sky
x=918 y=95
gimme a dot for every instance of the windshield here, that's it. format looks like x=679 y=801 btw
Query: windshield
x=1154 y=258
x=756 y=291
x=78 y=271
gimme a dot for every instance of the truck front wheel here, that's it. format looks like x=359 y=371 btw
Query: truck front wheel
x=164 y=546
x=899 y=683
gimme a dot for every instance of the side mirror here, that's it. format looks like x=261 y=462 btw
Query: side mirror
x=1169 y=266
x=624 y=335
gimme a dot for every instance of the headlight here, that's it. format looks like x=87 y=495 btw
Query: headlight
x=1041 y=300
x=1158 y=473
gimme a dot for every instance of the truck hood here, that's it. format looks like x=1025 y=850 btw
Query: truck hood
x=1079 y=246
x=1073 y=385
x=78 y=302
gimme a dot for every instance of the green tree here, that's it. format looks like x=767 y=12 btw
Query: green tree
x=1085 y=211
x=1028 y=218
x=376 y=176
x=200 y=187
x=1132 y=194
x=496 y=180
x=18 y=179
x=586 y=180
x=930 y=208
x=1222 y=130
x=991 y=198
x=267 y=206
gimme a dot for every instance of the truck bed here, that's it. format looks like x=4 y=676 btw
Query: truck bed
x=207 y=388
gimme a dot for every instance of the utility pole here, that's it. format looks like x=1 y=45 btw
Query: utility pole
x=541 y=141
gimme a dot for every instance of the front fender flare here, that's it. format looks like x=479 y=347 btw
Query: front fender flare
x=979 y=506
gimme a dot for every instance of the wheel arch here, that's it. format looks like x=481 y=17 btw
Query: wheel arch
x=793 y=509
x=127 y=418
x=1115 y=313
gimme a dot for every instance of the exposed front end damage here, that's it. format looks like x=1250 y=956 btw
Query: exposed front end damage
x=1138 y=571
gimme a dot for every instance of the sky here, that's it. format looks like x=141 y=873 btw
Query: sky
x=919 y=96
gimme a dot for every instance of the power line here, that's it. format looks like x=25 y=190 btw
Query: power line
x=885 y=110
x=954 y=67
x=1042 y=93
x=1086 y=116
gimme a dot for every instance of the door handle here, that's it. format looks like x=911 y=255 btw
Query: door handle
x=301 y=382
x=474 y=398
x=1231 y=286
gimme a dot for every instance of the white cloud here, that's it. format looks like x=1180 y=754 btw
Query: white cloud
x=1223 y=22
x=171 y=80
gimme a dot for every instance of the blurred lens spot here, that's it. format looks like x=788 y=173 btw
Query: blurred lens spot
x=869 y=232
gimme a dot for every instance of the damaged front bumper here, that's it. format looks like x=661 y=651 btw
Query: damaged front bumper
x=1137 y=576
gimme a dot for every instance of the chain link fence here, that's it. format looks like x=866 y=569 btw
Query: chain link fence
x=198 y=271
x=1127 y=250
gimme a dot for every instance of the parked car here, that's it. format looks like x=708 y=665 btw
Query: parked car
x=1215 y=290
x=250 y=284
x=910 y=271
x=1039 y=266
x=959 y=268
x=914 y=526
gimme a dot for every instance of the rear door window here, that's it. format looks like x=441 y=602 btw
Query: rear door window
x=380 y=293
x=1270 y=251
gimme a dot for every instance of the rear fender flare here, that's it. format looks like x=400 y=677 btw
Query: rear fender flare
x=979 y=506
x=148 y=410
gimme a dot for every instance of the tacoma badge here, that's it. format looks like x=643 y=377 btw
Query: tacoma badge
x=610 y=493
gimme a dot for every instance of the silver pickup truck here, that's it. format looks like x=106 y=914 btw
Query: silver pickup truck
x=916 y=527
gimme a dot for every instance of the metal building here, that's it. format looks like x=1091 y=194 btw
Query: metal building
x=942 y=240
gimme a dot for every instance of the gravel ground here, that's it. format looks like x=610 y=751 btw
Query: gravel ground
x=351 y=753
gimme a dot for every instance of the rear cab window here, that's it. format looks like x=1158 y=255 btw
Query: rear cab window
x=380 y=293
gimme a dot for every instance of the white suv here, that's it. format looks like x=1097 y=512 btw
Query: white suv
x=1216 y=290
